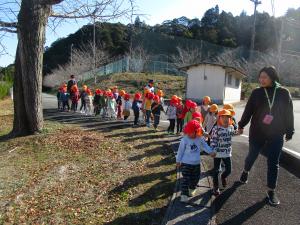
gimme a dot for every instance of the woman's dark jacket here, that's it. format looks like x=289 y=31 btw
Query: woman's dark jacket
x=257 y=107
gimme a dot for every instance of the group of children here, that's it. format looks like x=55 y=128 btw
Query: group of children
x=204 y=128
x=105 y=103
x=211 y=130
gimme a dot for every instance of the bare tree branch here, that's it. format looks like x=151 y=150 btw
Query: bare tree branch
x=8 y=24
x=8 y=30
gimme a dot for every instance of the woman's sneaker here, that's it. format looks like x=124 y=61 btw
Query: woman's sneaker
x=244 y=178
x=273 y=199
x=184 y=198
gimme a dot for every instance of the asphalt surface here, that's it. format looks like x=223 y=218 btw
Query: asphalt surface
x=238 y=204
x=246 y=204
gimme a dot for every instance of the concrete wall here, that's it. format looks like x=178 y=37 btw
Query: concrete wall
x=213 y=85
x=233 y=90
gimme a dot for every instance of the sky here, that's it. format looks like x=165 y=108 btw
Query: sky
x=157 y=11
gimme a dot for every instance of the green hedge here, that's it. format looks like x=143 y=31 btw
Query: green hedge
x=4 y=88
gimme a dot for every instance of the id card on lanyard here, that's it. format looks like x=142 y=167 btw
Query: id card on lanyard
x=268 y=118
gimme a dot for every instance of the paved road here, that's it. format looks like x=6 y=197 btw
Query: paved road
x=246 y=204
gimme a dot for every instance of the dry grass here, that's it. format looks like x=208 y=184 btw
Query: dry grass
x=69 y=176
x=132 y=82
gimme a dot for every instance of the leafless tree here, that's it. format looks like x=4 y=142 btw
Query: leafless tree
x=138 y=57
x=186 y=56
x=29 y=18
x=82 y=61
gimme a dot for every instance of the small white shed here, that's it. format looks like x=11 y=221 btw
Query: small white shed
x=222 y=83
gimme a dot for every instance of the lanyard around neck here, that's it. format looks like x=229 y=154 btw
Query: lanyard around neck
x=269 y=102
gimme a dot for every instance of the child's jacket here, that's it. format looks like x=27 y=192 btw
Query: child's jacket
x=171 y=112
x=189 y=150
x=156 y=108
x=188 y=117
x=210 y=121
x=136 y=105
x=221 y=141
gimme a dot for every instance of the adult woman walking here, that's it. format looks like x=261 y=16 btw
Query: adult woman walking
x=270 y=109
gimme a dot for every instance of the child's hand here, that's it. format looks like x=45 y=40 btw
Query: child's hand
x=213 y=154
x=206 y=135
x=178 y=164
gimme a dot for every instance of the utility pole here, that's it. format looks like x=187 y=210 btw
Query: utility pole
x=280 y=44
x=94 y=50
x=71 y=53
x=97 y=7
x=256 y=3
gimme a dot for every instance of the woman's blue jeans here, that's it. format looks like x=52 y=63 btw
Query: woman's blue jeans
x=273 y=147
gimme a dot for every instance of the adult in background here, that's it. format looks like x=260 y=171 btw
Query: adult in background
x=270 y=110
x=71 y=82
x=150 y=86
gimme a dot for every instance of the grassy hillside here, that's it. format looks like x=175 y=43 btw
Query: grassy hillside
x=172 y=85
x=132 y=82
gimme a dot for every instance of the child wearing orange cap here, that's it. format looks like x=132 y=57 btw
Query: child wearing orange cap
x=188 y=158
x=171 y=113
x=96 y=102
x=89 y=102
x=221 y=143
x=83 y=95
x=136 y=107
x=231 y=109
x=179 y=115
x=74 y=97
x=204 y=109
x=192 y=106
x=119 y=98
x=156 y=109
x=111 y=105
x=147 y=107
x=211 y=118
x=127 y=106
x=59 y=99
x=65 y=99
x=161 y=94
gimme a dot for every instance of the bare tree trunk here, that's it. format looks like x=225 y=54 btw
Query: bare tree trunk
x=32 y=20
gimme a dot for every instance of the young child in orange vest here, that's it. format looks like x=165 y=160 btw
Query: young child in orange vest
x=147 y=106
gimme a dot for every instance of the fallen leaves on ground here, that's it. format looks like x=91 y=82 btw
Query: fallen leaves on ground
x=72 y=176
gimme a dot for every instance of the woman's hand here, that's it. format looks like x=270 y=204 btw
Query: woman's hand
x=288 y=137
x=240 y=131
x=178 y=164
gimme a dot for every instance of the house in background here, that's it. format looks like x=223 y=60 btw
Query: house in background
x=222 y=83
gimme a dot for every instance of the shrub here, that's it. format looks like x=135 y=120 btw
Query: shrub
x=4 y=88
